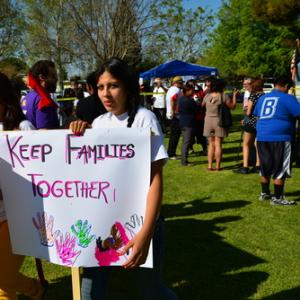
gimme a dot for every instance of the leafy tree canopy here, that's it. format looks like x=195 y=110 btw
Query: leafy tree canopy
x=277 y=11
x=10 y=29
x=177 y=33
x=243 y=45
x=13 y=66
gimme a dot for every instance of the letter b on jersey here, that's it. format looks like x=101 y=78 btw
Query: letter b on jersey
x=268 y=108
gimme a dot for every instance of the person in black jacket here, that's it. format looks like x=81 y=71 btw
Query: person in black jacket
x=187 y=108
x=91 y=107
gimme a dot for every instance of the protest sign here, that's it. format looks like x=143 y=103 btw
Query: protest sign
x=75 y=201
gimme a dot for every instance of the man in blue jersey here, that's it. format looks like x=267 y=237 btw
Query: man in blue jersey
x=276 y=112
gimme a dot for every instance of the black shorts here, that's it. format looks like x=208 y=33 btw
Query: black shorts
x=274 y=159
x=248 y=128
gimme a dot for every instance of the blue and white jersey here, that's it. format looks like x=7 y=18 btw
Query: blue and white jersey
x=276 y=112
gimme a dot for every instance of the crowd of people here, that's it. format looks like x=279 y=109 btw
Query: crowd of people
x=193 y=112
x=185 y=109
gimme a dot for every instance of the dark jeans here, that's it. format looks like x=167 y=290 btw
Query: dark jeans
x=187 y=135
x=160 y=114
x=174 y=137
x=95 y=280
x=200 y=139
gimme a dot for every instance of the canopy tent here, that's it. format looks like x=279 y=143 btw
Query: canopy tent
x=177 y=67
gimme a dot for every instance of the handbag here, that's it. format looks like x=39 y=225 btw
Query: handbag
x=225 y=118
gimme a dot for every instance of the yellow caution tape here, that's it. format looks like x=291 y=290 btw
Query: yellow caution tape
x=66 y=99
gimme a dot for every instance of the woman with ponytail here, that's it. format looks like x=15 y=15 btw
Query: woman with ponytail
x=118 y=90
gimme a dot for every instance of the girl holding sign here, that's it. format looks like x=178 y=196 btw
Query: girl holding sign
x=118 y=89
x=11 y=281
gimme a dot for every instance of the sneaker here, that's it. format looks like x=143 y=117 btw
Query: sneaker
x=188 y=164
x=242 y=170
x=281 y=201
x=264 y=196
x=173 y=157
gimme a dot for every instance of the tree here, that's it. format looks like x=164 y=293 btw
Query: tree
x=13 y=66
x=49 y=34
x=109 y=28
x=10 y=28
x=178 y=33
x=277 y=12
x=244 y=45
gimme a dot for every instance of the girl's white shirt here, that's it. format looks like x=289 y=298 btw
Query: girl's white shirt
x=144 y=118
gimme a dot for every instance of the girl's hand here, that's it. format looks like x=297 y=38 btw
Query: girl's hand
x=78 y=127
x=140 y=247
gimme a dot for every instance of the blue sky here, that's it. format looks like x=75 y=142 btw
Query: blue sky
x=212 y=4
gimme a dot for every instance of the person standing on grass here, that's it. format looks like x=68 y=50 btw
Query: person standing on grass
x=118 y=90
x=247 y=87
x=212 y=130
x=173 y=94
x=276 y=112
x=249 y=128
x=187 y=109
x=159 y=103
x=11 y=280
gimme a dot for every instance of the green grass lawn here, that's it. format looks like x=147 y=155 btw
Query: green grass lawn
x=222 y=242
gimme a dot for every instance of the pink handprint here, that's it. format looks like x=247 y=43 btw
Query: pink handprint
x=65 y=248
x=45 y=228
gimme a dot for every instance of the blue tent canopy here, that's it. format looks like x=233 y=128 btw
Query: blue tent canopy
x=177 y=67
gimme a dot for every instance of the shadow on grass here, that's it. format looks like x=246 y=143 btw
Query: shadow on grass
x=199 y=263
x=294 y=194
x=203 y=266
x=61 y=289
x=199 y=206
x=285 y=295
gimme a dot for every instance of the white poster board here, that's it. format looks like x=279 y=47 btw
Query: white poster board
x=75 y=200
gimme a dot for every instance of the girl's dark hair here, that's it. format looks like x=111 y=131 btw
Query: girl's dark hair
x=257 y=85
x=217 y=85
x=127 y=75
x=8 y=98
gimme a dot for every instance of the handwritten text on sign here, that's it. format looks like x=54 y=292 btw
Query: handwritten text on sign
x=75 y=201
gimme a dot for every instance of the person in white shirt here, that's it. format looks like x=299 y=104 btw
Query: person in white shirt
x=159 y=103
x=118 y=90
x=173 y=94
x=247 y=87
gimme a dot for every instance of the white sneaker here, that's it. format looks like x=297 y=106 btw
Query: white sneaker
x=264 y=196
x=281 y=201
x=173 y=157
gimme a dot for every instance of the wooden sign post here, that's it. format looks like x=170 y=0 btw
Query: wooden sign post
x=76 y=283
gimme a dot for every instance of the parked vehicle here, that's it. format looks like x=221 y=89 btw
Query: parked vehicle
x=268 y=87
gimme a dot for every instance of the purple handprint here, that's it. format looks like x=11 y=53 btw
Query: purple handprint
x=134 y=225
x=45 y=227
x=65 y=248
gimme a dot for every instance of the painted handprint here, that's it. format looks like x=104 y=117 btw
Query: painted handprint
x=44 y=226
x=82 y=231
x=134 y=225
x=65 y=248
x=107 y=251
